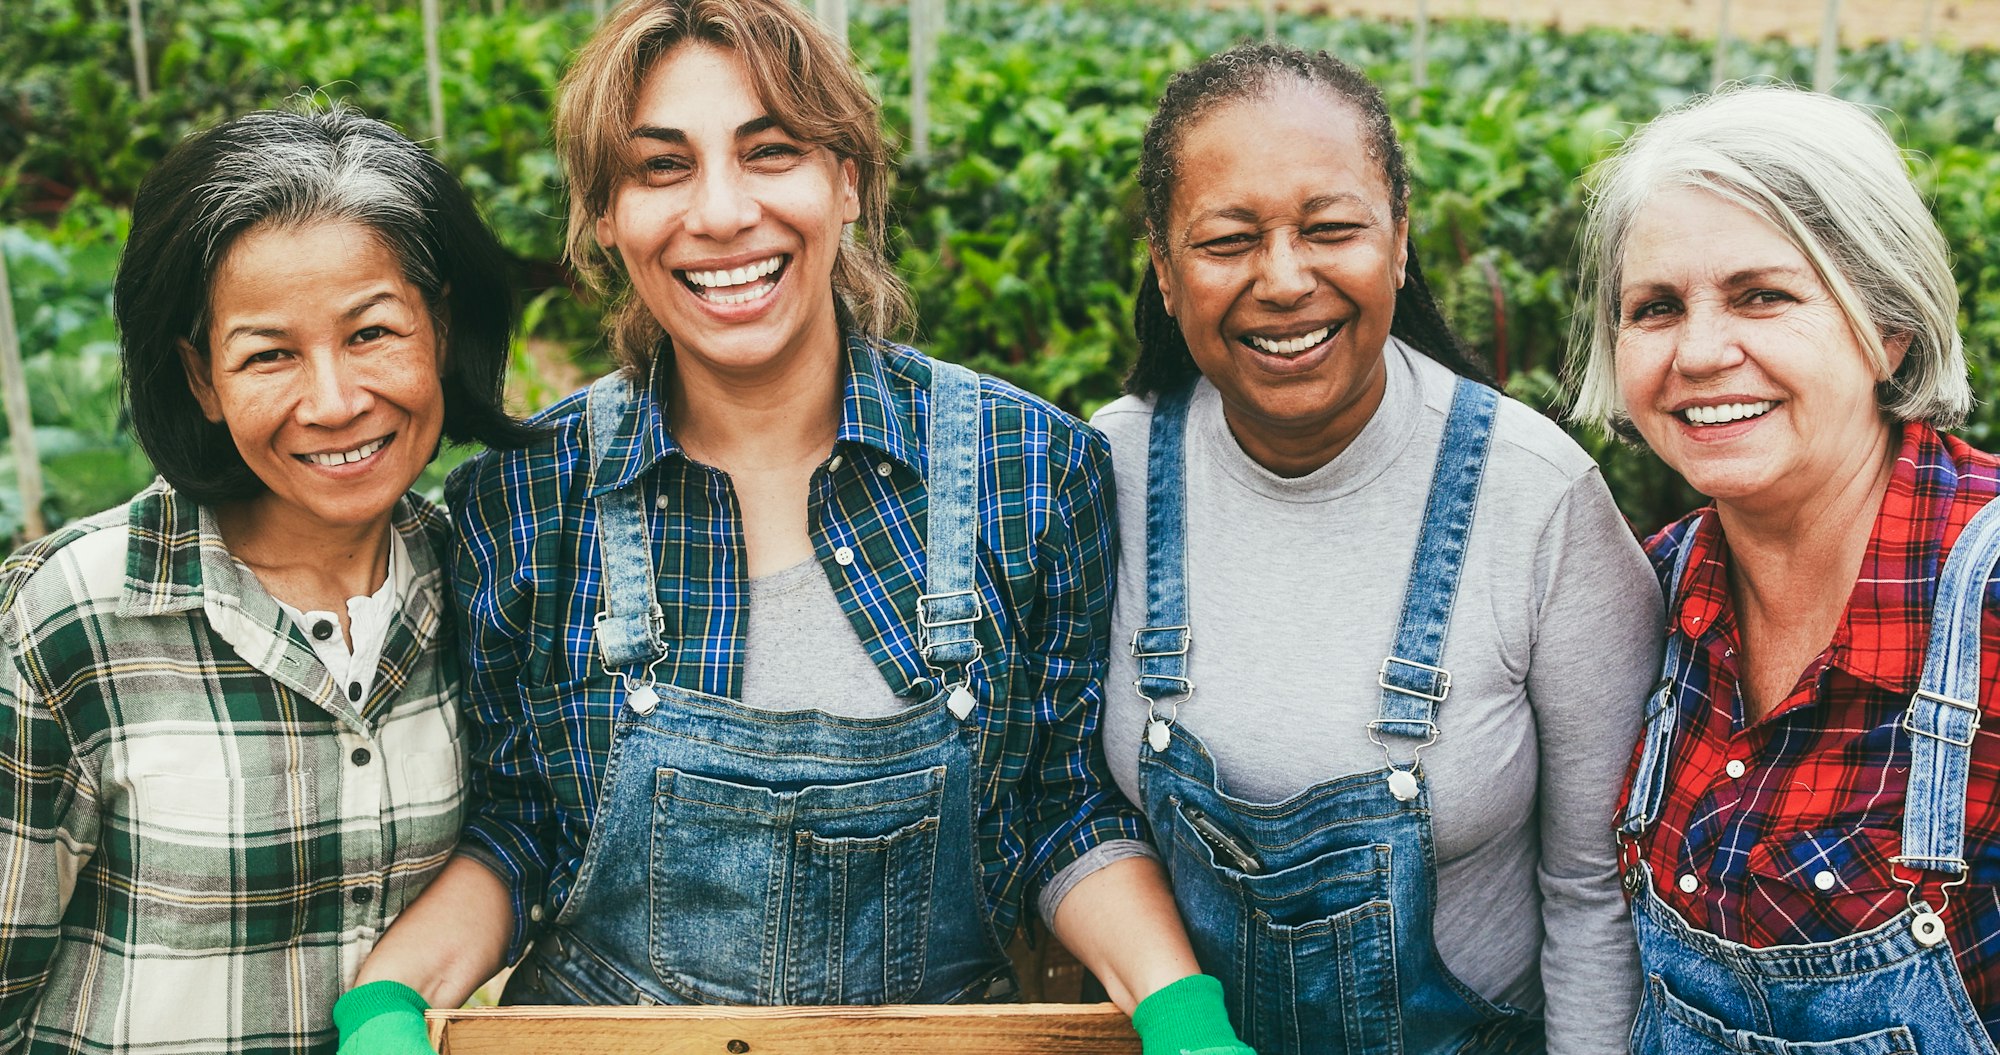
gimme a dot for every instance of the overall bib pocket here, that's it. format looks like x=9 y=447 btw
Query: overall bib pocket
x=825 y=889
x=1318 y=938
x=1680 y=1028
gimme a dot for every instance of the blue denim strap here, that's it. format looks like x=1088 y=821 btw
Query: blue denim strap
x=1412 y=682
x=949 y=610
x=1944 y=712
x=1649 y=781
x=629 y=629
x=1161 y=646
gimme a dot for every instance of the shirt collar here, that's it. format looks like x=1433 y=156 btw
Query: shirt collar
x=872 y=414
x=175 y=554
x=1885 y=628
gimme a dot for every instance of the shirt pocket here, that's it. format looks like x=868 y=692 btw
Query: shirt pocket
x=1828 y=883
x=225 y=862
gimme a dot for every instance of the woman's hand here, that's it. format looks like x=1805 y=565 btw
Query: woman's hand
x=382 y=1018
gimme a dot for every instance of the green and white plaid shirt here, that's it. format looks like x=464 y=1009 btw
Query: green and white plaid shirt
x=201 y=836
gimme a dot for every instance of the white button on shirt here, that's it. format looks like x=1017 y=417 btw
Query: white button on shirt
x=1825 y=880
x=1689 y=884
x=843 y=556
x=1735 y=768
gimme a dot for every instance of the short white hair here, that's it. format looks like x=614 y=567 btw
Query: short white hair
x=1825 y=173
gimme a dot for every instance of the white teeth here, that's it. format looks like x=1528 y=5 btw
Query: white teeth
x=1290 y=347
x=1727 y=412
x=343 y=457
x=735 y=276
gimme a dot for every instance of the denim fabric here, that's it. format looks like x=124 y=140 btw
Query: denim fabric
x=1315 y=912
x=755 y=857
x=1879 y=992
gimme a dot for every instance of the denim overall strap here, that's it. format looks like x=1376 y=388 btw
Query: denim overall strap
x=1649 y=781
x=949 y=610
x=1161 y=646
x=1944 y=713
x=1412 y=682
x=630 y=627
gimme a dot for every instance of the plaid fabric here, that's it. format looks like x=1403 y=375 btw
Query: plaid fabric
x=194 y=857
x=528 y=585
x=1820 y=800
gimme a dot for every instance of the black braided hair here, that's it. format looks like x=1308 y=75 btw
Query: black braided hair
x=1249 y=71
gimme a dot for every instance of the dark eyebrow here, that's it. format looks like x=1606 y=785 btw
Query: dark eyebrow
x=679 y=138
x=1752 y=275
x=379 y=298
x=276 y=333
x=1243 y=215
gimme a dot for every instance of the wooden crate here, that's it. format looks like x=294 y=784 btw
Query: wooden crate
x=983 y=1029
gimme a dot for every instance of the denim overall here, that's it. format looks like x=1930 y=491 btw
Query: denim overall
x=743 y=856
x=1315 y=912
x=1893 y=989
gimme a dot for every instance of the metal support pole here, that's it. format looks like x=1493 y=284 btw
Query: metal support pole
x=833 y=15
x=433 y=76
x=1719 y=73
x=20 y=420
x=920 y=78
x=141 y=64
x=1420 y=47
x=1827 y=67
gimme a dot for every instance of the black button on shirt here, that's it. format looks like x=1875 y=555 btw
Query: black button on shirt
x=322 y=630
x=361 y=756
x=354 y=692
x=362 y=895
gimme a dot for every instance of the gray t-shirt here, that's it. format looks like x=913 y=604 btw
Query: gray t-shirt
x=801 y=651
x=1295 y=587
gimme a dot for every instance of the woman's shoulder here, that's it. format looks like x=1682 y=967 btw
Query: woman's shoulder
x=86 y=563
x=1015 y=415
x=525 y=479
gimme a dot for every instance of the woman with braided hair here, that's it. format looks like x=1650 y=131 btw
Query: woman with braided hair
x=1372 y=611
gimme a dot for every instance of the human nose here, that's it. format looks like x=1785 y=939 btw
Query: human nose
x=1705 y=344
x=335 y=394
x=722 y=206
x=1283 y=275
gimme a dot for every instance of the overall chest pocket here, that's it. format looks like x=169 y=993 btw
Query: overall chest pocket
x=820 y=895
x=1306 y=951
x=224 y=862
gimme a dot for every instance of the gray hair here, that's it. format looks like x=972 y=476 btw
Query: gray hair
x=1823 y=172
x=289 y=169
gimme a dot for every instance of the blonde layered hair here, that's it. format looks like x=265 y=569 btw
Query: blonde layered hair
x=1823 y=172
x=806 y=82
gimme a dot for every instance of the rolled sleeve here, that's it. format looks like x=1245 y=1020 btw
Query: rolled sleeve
x=511 y=827
x=1073 y=806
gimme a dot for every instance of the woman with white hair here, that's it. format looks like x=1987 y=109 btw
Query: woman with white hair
x=1812 y=826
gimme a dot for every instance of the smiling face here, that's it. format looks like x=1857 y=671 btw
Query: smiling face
x=728 y=225
x=323 y=364
x=1735 y=362
x=1280 y=260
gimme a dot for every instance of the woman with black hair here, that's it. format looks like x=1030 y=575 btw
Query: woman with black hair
x=1370 y=609
x=229 y=734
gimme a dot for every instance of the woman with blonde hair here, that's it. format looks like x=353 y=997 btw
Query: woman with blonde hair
x=1812 y=827
x=784 y=655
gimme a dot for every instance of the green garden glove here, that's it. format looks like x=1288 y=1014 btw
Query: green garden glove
x=382 y=1018
x=1186 y=1018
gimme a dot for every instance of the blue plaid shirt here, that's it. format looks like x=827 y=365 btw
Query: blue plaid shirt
x=528 y=586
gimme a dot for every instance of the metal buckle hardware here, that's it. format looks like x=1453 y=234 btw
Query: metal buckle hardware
x=1186 y=640
x=1972 y=708
x=923 y=609
x=1444 y=688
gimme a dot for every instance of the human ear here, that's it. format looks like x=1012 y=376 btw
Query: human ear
x=1160 y=273
x=196 y=366
x=850 y=194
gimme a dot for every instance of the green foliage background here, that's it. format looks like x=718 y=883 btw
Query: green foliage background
x=1019 y=235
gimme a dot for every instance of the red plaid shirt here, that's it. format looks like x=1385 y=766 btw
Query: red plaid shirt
x=1785 y=828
